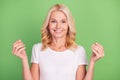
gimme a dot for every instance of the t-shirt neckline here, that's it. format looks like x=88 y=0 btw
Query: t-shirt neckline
x=57 y=51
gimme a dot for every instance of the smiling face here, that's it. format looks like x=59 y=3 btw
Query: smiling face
x=58 y=24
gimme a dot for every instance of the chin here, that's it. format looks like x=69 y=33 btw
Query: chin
x=59 y=36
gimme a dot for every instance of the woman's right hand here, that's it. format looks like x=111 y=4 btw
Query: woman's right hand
x=19 y=50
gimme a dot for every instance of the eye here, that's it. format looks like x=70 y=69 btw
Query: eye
x=53 y=21
x=63 y=21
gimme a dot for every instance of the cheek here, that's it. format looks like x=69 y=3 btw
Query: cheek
x=66 y=27
x=51 y=26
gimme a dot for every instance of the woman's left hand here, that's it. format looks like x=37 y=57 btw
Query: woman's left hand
x=97 y=52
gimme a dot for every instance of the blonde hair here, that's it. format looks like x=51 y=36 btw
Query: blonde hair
x=70 y=38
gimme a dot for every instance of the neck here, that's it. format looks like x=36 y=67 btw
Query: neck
x=58 y=42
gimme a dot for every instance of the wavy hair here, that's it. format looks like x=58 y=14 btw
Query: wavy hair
x=70 y=37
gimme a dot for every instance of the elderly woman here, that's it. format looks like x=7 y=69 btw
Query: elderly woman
x=58 y=57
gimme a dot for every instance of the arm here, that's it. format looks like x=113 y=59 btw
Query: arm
x=98 y=53
x=35 y=71
x=26 y=70
x=81 y=72
x=19 y=51
x=90 y=72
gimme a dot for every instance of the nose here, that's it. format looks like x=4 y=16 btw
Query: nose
x=58 y=25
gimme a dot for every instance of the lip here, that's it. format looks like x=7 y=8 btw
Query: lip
x=58 y=31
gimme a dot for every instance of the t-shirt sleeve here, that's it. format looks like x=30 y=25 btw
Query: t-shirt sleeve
x=82 y=58
x=35 y=54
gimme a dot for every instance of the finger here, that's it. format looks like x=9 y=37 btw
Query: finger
x=20 y=50
x=17 y=45
x=16 y=42
x=99 y=45
x=17 y=49
x=95 y=51
x=101 y=51
x=98 y=50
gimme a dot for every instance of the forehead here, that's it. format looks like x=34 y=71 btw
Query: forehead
x=58 y=15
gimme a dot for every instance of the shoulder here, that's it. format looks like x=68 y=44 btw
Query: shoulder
x=80 y=48
x=37 y=46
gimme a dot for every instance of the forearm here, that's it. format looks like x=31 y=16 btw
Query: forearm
x=26 y=70
x=90 y=71
x=98 y=52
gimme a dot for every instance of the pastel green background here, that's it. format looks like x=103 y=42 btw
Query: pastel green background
x=96 y=21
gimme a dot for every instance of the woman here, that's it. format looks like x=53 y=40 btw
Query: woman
x=58 y=57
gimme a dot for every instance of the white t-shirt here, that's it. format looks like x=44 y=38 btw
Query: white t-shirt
x=58 y=65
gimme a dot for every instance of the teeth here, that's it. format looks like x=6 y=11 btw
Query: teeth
x=58 y=31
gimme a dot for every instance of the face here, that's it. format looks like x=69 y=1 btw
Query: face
x=58 y=24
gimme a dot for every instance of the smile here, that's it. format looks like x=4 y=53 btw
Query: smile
x=58 y=31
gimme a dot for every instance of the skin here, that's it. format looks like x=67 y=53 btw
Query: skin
x=58 y=27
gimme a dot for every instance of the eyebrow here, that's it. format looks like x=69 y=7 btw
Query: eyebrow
x=55 y=19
